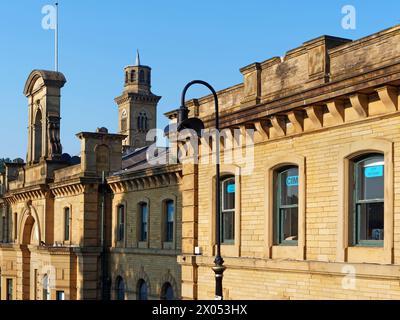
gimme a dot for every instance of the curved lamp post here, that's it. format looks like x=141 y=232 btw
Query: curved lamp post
x=197 y=125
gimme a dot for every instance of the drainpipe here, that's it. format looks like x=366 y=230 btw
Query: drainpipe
x=103 y=242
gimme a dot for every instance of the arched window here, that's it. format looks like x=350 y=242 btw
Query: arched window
x=228 y=210
x=167 y=292
x=145 y=123
x=67 y=217
x=133 y=76
x=46 y=287
x=142 y=290
x=126 y=77
x=367 y=196
x=121 y=223
x=38 y=136
x=142 y=122
x=169 y=217
x=141 y=76
x=143 y=222
x=120 y=288
x=286 y=205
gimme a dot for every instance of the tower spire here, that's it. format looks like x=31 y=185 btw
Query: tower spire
x=137 y=58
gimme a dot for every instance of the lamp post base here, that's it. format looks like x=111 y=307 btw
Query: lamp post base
x=219 y=274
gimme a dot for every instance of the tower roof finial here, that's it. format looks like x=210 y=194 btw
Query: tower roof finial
x=137 y=58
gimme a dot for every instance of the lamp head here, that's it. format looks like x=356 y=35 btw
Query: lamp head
x=184 y=122
x=193 y=123
x=183 y=114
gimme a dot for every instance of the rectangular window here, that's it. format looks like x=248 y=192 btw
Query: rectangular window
x=228 y=211
x=60 y=295
x=67 y=217
x=368 y=200
x=286 y=201
x=169 y=221
x=121 y=223
x=143 y=211
x=10 y=289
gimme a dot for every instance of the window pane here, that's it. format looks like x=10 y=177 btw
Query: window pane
x=144 y=212
x=289 y=224
x=169 y=232
x=120 y=289
x=228 y=194
x=142 y=290
x=121 y=214
x=46 y=289
x=121 y=223
x=144 y=217
x=60 y=295
x=121 y=232
x=170 y=211
x=9 y=289
x=371 y=221
x=289 y=187
x=169 y=221
x=66 y=224
x=228 y=226
x=371 y=178
x=167 y=292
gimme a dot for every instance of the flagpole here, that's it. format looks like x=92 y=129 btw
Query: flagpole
x=56 y=40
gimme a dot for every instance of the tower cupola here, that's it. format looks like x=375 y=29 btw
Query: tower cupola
x=137 y=106
x=137 y=77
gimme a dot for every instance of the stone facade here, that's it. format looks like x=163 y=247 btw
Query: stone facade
x=323 y=105
x=155 y=259
x=59 y=213
x=109 y=224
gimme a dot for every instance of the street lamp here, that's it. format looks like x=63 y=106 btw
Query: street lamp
x=197 y=125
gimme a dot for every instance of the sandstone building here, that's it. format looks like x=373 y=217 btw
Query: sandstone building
x=69 y=234
x=316 y=216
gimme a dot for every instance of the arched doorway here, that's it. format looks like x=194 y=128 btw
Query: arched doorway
x=26 y=256
x=28 y=228
x=167 y=292
x=120 y=289
x=142 y=290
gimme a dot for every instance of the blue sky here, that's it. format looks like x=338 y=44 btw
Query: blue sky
x=181 y=41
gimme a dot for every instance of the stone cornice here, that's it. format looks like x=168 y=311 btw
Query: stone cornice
x=137 y=97
x=371 y=39
x=363 y=270
x=340 y=89
x=145 y=251
x=146 y=179
x=25 y=194
x=100 y=135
